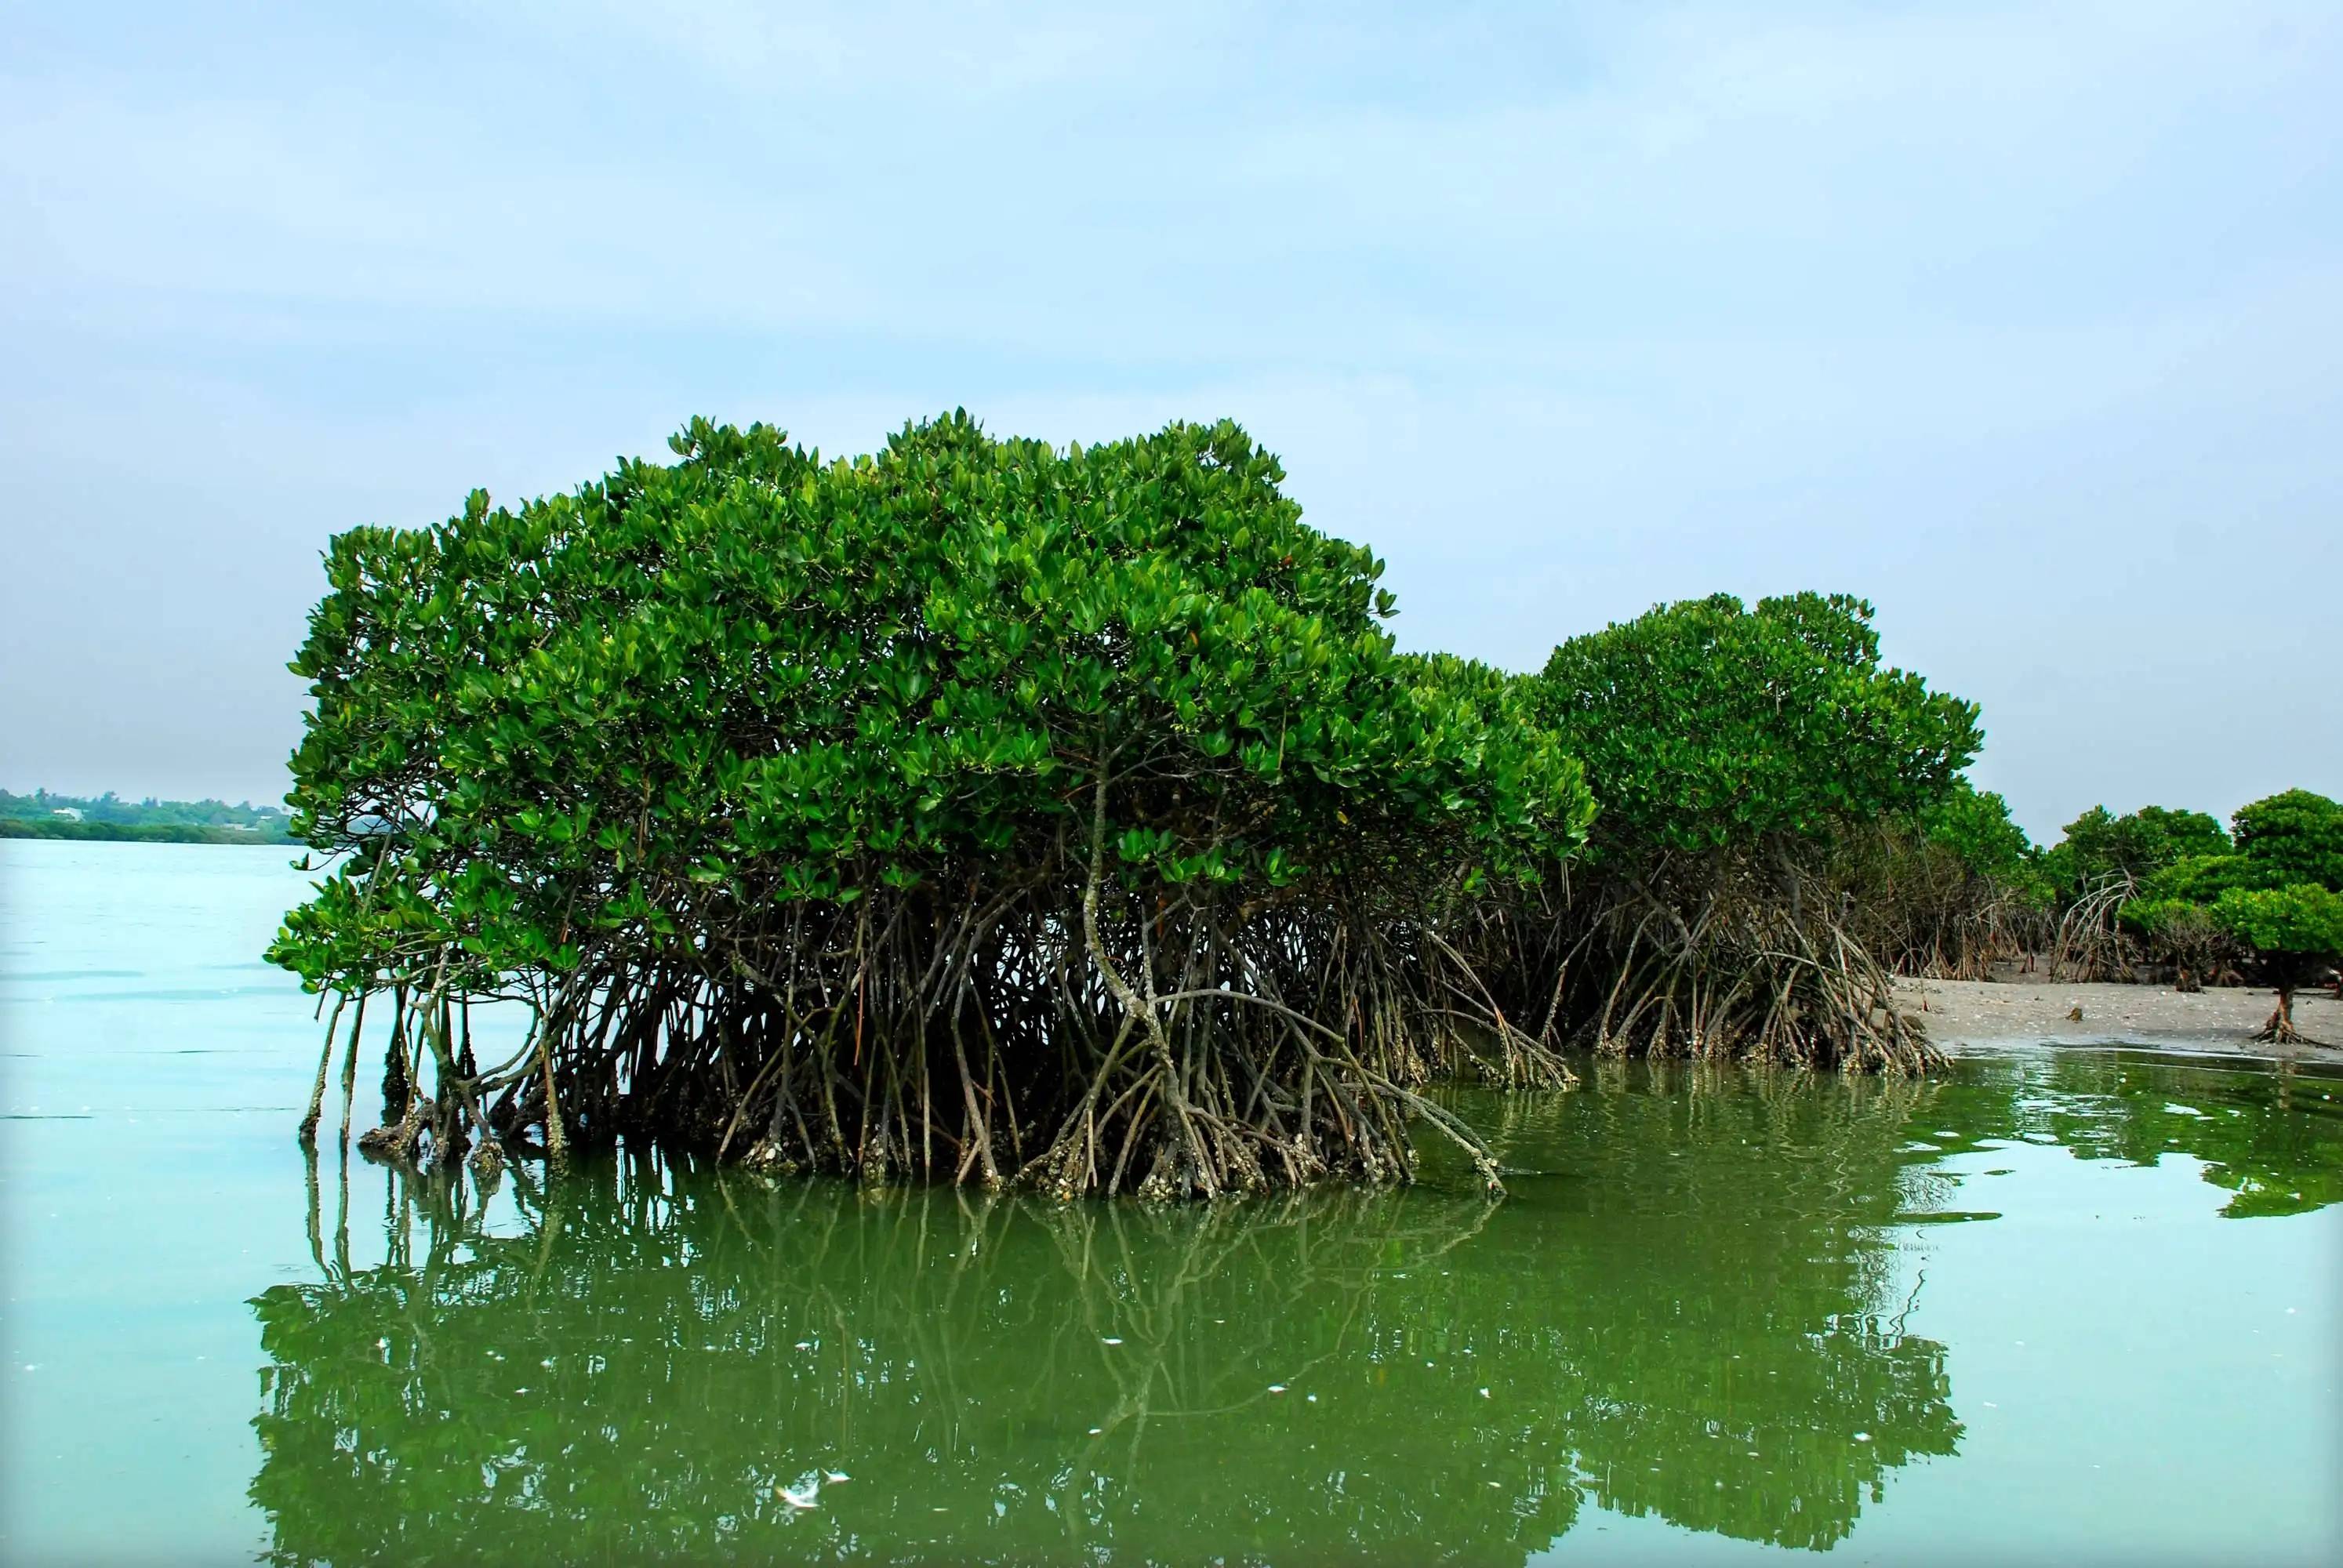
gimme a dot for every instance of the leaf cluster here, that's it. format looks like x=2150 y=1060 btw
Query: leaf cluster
x=2098 y=845
x=2301 y=918
x=646 y=708
x=2276 y=892
x=1706 y=725
x=1974 y=825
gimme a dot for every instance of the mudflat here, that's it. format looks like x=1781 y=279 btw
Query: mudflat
x=2221 y=1019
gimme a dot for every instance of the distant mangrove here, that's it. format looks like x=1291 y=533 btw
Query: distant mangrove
x=1734 y=752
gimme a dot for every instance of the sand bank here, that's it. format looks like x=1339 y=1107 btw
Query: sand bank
x=2226 y=1018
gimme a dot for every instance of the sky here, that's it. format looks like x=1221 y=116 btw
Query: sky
x=2022 y=321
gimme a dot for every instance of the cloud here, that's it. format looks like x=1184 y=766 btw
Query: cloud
x=2019 y=318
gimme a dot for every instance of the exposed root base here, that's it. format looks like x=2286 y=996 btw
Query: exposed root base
x=2280 y=1031
x=1166 y=1047
x=1707 y=959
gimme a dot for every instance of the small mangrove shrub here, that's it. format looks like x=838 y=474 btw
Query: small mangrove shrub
x=1732 y=749
x=2099 y=865
x=2274 y=900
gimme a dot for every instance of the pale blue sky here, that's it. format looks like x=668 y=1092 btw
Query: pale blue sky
x=2024 y=320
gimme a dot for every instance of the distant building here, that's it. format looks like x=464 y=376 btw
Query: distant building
x=70 y=813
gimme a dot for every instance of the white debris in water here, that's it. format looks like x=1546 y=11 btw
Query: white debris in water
x=1862 y=1437
x=1109 y=1340
x=1277 y=1388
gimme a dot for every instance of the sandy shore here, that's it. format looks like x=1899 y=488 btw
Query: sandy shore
x=2000 y=1012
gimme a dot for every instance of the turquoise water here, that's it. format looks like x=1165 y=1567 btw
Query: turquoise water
x=2077 y=1306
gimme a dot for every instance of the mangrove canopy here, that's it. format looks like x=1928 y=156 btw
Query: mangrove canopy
x=974 y=809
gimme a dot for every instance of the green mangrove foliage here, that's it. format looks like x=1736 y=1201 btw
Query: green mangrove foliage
x=1946 y=891
x=1732 y=749
x=2275 y=899
x=976 y=809
x=2098 y=867
x=2098 y=844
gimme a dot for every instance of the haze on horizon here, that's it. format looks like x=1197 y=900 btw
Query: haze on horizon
x=2022 y=321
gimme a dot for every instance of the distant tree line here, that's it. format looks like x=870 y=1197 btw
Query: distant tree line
x=43 y=814
x=2160 y=893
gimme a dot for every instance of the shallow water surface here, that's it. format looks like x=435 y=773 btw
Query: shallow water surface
x=2048 y=1307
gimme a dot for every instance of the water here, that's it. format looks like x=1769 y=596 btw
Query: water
x=2054 y=1306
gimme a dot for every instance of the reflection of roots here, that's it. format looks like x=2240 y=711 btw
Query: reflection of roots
x=1130 y=1410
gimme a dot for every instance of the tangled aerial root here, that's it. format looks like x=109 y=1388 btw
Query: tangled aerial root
x=1072 y=1038
x=1714 y=962
x=2279 y=1029
x=1173 y=1050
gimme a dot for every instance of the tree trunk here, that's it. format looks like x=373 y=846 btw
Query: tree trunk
x=2280 y=1031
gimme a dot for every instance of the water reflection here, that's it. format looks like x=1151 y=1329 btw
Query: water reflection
x=1685 y=1310
x=2272 y=1138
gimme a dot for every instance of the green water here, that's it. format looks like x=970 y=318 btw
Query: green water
x=2070 y=1307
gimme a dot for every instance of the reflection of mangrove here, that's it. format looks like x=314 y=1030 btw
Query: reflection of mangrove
x=1739 y=1214
x=1691 y=1323
x=2274 y=1138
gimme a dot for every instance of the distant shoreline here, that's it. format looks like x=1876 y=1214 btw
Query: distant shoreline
x=136 y=833
x=2218 y=1019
